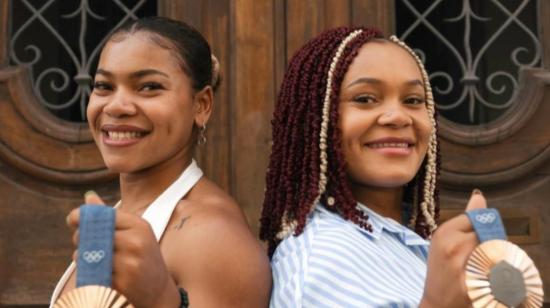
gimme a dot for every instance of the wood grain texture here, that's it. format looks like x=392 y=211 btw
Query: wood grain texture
x=280 y=38
x=337 y=13
x=306 y=19
x=216 y=156
x=377 y=13
x=34 y=239
x=36 y=245
x=42 y=177
x=252 y=91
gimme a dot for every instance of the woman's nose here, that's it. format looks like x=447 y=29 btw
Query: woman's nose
x=120 y=105
x=394 y=117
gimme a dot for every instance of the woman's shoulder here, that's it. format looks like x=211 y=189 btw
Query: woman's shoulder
x=207 y=196
x=212 y=245
x=208 y=215
x=320 y=224
x=324 y=232
x=325 y=256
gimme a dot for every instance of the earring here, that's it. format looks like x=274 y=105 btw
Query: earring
x=202 y=135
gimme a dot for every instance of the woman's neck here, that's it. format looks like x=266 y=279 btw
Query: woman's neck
x=384 y=201
x=138 y=190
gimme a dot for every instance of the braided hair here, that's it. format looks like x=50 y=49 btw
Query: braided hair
x=307 y=165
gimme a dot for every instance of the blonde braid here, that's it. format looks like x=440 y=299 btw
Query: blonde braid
x=427 y=205
x=323 y=180
x=288 y=225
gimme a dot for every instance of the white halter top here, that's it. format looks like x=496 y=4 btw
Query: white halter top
x=157 y=214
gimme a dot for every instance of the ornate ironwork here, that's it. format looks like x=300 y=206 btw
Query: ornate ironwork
x=81 y=59
x=478 y=77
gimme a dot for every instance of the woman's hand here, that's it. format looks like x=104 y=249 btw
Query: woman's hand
x=139 y=271
x=451 y=246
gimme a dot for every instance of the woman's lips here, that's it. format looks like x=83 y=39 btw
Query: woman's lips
x=122 y=135
x=391 y=146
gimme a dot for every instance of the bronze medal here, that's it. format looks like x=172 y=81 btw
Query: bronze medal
x=93 y=297
x=500 y=274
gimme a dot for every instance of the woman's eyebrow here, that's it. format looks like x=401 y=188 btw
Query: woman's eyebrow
x=415 y=82
x=103 y=72
x=369 y=80
x=146 y=72
x=134 y=75
x=374 y=81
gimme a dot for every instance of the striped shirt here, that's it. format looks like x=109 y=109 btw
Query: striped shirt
x=335 y=263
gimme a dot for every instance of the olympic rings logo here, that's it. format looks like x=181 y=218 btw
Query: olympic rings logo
x=93 y=256
x=486 y=218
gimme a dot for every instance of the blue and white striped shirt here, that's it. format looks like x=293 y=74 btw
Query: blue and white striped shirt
x=335 y=263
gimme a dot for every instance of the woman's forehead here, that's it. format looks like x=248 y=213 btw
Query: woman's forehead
x=141 y=49
x=383 y=60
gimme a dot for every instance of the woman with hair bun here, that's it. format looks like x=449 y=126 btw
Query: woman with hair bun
x=351 y=202
x=179 y=238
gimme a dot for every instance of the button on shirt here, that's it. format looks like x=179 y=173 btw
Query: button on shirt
x=335 y=263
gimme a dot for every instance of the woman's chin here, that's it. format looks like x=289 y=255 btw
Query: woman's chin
x=120 y=167
x=387 y=181
x=398 y=180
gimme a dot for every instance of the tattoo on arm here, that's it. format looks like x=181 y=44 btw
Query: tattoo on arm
x=182 y=221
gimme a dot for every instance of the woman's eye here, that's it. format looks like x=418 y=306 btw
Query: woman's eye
x=101 y=86
x=415 y=101
x=364 y=99
x=151 y=86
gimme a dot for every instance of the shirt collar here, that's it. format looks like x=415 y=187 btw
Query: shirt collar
x=380 y=223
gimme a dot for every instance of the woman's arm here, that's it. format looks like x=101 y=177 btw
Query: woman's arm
x=139 y=271
x=221 y=262
x=452 y=244
x=213 y=256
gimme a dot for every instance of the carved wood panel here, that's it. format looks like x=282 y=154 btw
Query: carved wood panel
x=508 y=159
x=46 y=164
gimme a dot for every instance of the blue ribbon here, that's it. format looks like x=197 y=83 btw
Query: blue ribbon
x=487 y=224
x=95 y=248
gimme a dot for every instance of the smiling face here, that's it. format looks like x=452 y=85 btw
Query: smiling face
x=142 y=108
x=384 y=119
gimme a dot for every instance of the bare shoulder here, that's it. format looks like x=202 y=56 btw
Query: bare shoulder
x=217 y=258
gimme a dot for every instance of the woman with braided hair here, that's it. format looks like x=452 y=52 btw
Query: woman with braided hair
x=351 y=202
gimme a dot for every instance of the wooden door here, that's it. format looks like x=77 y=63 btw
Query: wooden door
x=46 y=164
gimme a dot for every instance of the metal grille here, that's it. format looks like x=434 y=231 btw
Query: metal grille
x=59 y=41
x=474 y=51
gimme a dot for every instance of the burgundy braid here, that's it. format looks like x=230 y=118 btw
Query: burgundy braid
x=292 y=179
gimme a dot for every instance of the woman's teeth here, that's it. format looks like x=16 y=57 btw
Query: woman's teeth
x=389 y=145
x=123 y=135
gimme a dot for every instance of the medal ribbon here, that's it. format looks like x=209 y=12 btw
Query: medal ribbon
x=487 y=224
x=95 y=247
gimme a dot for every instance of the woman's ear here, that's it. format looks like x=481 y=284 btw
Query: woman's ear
x=203 y=104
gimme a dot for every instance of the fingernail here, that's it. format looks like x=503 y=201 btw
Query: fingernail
x=90 y=193
x=476 y=192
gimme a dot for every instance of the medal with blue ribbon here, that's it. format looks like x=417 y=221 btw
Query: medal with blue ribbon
x=95 y=262
x=498 y=272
